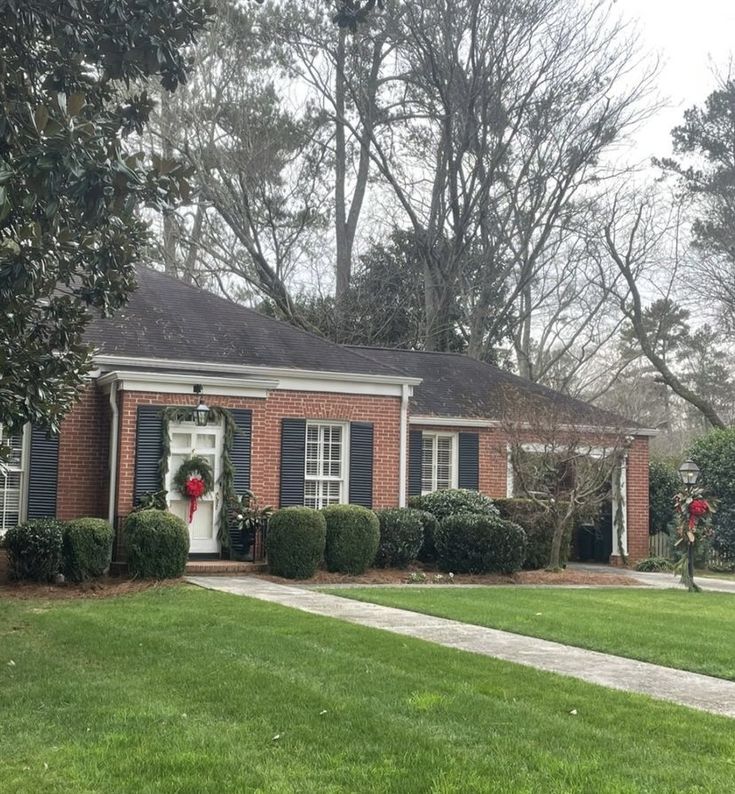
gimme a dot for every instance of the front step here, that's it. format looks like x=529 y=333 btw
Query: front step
x=223 y=567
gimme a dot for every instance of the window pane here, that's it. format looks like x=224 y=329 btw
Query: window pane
x=443 y=462
x=324 y=465
x=10 y=484
x=310 y=494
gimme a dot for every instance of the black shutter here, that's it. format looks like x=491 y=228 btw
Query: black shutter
x=43 y=473
x=241 y=449
x=361 y=464
x=293 y=458
x=148 y=451
x=415 y=452
x=469 y=461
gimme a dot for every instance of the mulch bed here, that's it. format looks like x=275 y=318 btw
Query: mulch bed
x=396 y=577
x=101 y=588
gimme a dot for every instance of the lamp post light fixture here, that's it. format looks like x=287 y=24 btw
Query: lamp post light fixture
x=689 y=472
x=201 y=412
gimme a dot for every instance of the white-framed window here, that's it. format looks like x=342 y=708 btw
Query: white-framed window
x=325 y=470
x=11 y=480
x=438 y=461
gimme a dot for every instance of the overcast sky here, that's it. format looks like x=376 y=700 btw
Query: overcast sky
x=694 y=38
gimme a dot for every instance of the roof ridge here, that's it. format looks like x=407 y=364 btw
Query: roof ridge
x=407 y=350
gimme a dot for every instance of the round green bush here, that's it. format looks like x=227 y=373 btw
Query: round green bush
x=87 y=548
x=454 y=500
x=472 y=543
x=353 y=534
x=295 y=542
x=655 y=565
x=401 y=537
x=34 y=550
x=157 y=544
x=663 y=485
x=539 y=528
x=427 y=552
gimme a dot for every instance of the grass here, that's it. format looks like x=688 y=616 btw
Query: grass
x=182 y=690
x=690 y=631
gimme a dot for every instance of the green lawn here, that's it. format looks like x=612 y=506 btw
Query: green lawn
x=691 y=631
x=183 y=690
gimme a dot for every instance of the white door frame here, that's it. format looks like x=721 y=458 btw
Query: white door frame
x=199 y=544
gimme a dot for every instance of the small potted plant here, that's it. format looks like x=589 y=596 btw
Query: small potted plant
x=248 y=522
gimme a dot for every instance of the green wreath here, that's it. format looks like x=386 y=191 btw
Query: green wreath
x=196 y=466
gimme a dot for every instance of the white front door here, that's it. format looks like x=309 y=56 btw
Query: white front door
x=187 y=440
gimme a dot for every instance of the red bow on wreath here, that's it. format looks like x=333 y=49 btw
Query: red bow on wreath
x=194 y=488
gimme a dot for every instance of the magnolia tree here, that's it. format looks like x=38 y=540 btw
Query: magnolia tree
x=563 y=467
x=73 y=81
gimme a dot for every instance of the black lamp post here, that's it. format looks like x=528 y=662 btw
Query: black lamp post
x=689 y=474
x=201 y=412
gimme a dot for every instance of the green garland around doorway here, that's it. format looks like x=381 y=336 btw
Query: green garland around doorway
x=178 y=414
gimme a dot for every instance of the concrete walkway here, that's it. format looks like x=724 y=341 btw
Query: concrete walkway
x=663 y=581
x=688 y=689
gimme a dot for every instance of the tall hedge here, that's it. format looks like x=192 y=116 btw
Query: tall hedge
x=295 y=542
x=353 y=535
x=539 y=529
x=715 y=456
x=473 y=543
x=401 y=536
x=663 y=484
x=87 y=549
x=157 y=544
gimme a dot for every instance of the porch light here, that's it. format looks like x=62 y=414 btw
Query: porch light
x=689 y=472
x=201 y=412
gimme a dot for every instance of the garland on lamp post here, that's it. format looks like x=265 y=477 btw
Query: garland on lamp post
x=693 y=512
x=178 y=414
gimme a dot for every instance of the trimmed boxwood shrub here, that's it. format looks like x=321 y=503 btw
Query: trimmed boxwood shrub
x=454 y=500
x=353 y=534
x=427 y=552
x=34 y=550
x=87 y=549
x=295 y=542
x=472 y=543
x=401 y=536
x=539 y=530
x=157 y=544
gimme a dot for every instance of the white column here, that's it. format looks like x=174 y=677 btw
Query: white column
x=620 y=502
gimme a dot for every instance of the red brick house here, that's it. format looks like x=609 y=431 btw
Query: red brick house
x=317 y=423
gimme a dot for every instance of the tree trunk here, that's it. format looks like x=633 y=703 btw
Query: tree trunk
x=344 y=255
x=556 y=541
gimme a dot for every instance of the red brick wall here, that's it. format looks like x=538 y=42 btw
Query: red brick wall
x=637 y=478
x=384 y=412
x=83 y=457
x=492 y=452
x=494 y=479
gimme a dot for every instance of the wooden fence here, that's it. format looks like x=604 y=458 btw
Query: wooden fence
x=662 y=545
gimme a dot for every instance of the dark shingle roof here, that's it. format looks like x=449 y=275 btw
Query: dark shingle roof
x=459 y=386
x=166 y=318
